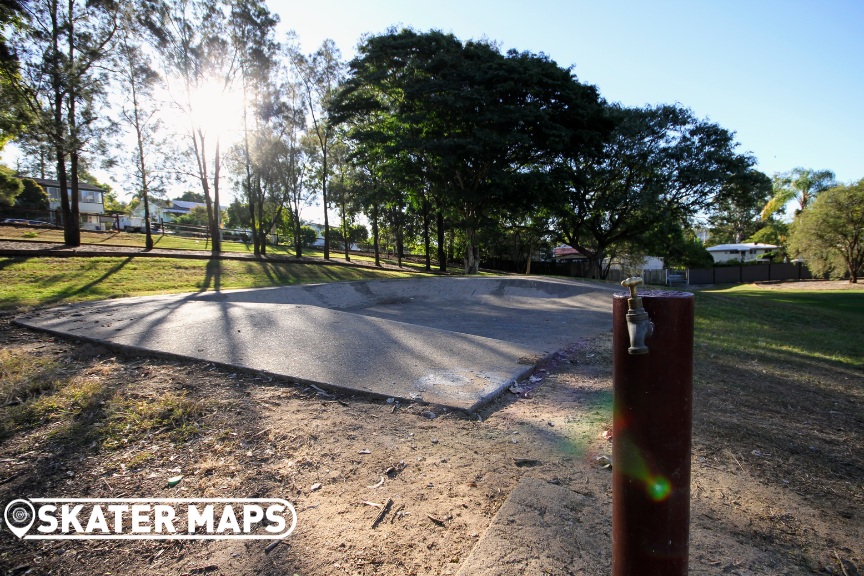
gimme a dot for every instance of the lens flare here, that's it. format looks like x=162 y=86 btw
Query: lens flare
x=658 y=488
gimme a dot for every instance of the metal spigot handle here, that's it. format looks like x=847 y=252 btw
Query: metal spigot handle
x=633 y=283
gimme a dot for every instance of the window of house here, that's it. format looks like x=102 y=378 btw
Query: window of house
x=53 y=193
x=90 y=196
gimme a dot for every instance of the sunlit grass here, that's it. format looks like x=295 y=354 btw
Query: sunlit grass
x=40 y=281
x=785 y=325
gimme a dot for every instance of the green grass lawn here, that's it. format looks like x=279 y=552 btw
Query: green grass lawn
x=37 y=281
x=784 y=325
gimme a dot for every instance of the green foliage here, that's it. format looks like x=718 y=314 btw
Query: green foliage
x=191 y=197
x=660 y=165
x=32 y=196
x=772 y=232
x=829 y=235
x=801 y=184
x=10 y=186
x=735 y=215
x=197 y=216
x=475 y=127
x=308 y=235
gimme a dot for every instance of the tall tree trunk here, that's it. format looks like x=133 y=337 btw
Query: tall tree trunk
x=375 y=234
x=215 y=231
x=324 y=198
x=427 y=244
x=472 y=251
x=442 y=252
x=75 y=222
x=346 y=237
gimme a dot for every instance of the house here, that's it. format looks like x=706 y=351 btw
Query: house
x=637 y=264
x=746 y=252
x=91 y=206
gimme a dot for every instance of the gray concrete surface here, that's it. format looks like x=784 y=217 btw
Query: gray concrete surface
x=457 y=342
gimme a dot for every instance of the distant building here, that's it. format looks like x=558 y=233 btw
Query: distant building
x=746 y=252
x=91 y=204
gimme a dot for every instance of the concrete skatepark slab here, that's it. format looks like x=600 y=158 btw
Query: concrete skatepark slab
x=456 y=342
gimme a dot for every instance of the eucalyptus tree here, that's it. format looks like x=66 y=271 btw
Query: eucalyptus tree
x=200 y=61
x=61 y=48
x=252 y=28
x=138 y=82
x=659 y=163
x=322 y=74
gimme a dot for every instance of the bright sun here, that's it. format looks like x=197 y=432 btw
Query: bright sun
x=217 y=109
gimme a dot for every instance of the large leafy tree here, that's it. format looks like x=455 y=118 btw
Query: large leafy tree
x=659 y=164
x=735 y=215
x=801 y=185
x=479 y=127
x=829 y=234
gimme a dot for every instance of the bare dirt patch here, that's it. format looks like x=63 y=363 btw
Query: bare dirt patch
x=778 y=463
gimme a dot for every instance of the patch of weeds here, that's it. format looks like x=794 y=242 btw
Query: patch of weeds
x=36 y=391
x=173 y=413
x=25 y=375
x=30 y=234
x=139 y=459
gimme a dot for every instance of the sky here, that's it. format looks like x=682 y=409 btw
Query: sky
x=787 y=76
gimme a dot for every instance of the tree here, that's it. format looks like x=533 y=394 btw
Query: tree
x=475 y=128
x=138 y=78
x=801 y=184
x=194 y=38
x=61 y=49
x=32 y=197
x=829 y=234
x=191 y=197
x=10 y=186
x=736 y=214
x=14 y=112
x=659 y=164
x=322 y=73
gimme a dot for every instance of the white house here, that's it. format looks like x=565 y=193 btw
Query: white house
x=91 y=205
x=746 y=252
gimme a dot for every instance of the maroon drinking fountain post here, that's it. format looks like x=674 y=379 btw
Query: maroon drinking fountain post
x=652 y=376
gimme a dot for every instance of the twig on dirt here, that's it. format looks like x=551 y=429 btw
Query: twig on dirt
x=10 y=478
x=260 y=432
x=437 y=521
x=525 y=462
x=839 y=561
x=271 y=546
x=383 y=512
x=375 y=504
x=739 y=463
x=378 y=485
x=107 y=484
x=396 y=513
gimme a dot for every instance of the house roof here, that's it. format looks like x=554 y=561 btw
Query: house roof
x=184 y=204
x=741 y=247
x=56 y=184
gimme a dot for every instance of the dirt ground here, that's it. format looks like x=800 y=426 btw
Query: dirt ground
x=778 y=466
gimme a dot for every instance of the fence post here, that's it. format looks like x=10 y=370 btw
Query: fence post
x=651 y=432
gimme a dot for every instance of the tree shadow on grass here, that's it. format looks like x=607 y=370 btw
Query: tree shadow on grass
x=72 y=291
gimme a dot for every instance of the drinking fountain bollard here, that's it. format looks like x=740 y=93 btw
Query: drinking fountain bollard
x=652 y=375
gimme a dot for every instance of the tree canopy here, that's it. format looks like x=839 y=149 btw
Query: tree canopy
x=829 y=234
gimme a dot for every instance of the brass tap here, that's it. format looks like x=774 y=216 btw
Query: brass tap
x=639 y=325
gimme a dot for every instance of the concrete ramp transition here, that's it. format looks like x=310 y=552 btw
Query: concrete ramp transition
x=457 y=342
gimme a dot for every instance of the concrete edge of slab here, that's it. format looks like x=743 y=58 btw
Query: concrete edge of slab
x=326 y=386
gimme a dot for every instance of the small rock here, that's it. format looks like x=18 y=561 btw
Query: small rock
x=429 y=414
x=316 y=486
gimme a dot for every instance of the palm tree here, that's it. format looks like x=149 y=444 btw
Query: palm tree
x=801 y=184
